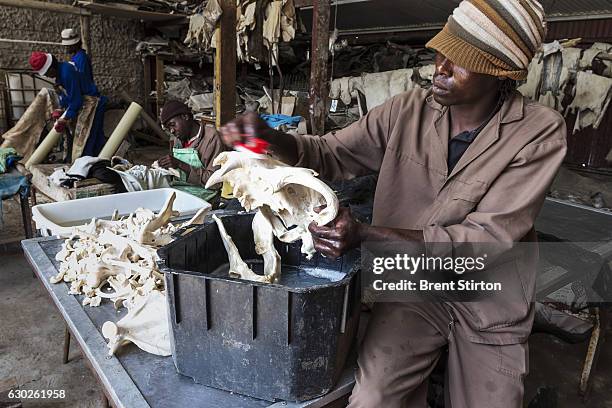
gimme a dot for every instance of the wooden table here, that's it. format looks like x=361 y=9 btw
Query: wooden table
x=134 y=378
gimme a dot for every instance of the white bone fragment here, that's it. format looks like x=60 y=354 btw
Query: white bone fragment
x=238 y=267
x=108 y=238
x=134 y=268
x=93 y=301
x=264 y=246
x=198 y=218
x=98 y=273
x=144 y=325
x=75 y=286
x=147 y=235
x=121 y=291
x=58 y=278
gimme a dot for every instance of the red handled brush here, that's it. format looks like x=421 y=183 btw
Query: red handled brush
x=254 y=146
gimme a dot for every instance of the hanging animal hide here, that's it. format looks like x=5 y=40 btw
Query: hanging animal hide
x=593 y=94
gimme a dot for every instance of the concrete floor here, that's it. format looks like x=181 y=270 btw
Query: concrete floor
x=32 y=335
x=555 y=363
x=31 y=341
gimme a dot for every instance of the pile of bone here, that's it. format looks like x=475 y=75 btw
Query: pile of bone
x=117 y=260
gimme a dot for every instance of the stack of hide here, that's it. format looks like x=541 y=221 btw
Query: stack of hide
x=351 y=61
x=140 y=177
x=25 y=135
x=159 y=6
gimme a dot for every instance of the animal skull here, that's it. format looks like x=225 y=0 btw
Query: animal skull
x=287 y=195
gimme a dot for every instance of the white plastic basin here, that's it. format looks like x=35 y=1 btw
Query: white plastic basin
x=58 y=218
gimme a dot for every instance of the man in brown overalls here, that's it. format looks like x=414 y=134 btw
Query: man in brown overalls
x=468 y=161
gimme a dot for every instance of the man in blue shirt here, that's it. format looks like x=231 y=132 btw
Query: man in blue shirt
x=79 y=103
x=80 y=59
x=78 y=56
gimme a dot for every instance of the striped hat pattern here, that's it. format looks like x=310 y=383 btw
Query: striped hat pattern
x=493 y=37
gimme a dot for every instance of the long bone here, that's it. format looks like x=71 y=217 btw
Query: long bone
x=238 y=267
x=147 y=234
x=264 y=246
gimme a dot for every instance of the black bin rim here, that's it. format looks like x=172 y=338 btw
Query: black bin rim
x=181 y=235
x=342 y=282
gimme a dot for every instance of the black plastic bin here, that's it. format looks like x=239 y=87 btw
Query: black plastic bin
x=286 y=341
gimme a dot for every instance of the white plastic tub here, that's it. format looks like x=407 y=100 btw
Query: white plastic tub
x=58 y=218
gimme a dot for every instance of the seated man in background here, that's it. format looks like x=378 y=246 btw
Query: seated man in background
x=197 y=145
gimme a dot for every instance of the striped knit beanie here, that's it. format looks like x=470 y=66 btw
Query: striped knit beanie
x=493 y=37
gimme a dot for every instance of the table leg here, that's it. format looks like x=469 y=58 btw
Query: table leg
x=33 y=195
x=592 y=358
x=66 y=345
x=26 y=216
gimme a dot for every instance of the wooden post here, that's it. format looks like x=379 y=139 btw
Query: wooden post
x=225 y=65
x=6 y=104
x=85 y=33
x=146 y=62
x=159 y=82
x=319 y=87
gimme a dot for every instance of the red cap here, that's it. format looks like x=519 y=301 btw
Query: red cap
x=40 y=62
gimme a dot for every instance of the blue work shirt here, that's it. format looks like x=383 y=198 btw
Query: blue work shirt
x=83 y=65
x=71 y=99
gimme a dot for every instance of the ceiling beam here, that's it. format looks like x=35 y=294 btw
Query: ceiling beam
x=45 y=6
x=308 y=4
x=579 y=17
x=129 y=12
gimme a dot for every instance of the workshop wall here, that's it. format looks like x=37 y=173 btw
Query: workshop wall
x=116 y=65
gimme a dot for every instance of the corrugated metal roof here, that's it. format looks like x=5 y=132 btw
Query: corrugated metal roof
x=588 y=30
x=577 y=7
x=365 y=15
